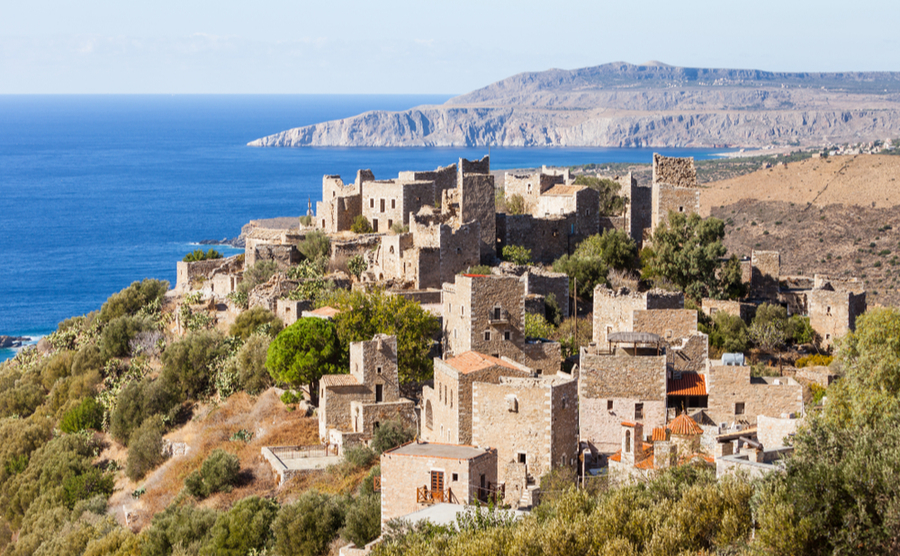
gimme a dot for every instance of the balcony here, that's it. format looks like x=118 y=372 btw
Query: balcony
x=425 y=495
x=498 y=316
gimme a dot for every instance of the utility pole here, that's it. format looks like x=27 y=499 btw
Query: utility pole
x=575 y=297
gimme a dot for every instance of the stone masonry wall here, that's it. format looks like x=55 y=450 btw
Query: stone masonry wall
x=546 y=238
x=564 y=423
x=677 y=172
x=477 y=204
x=374 y=362
x=728 y=386
x=771 y=431
x=765 y=273
x=614 y=309
x=602 y=426
x=373 y=415
x=672 y=325
x=745 y=311
x=668 y=199
x=334 y=406
x=832 y=314
x=640 y=377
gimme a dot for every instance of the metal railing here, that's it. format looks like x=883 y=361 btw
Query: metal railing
x=310 y=451
x=500 y=316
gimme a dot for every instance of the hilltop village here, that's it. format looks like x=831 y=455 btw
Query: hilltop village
x=503 y=408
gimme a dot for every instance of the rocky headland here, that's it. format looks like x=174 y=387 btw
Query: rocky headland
x=626 y=105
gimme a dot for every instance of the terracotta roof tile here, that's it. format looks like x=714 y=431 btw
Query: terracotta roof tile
x=685 y=426
x=339 y=380
x=659 y=434
x=690 y=384
x=628 y=424
x=472 y=361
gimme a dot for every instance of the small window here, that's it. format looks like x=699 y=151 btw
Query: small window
x=669 y=334
x=391 y=250
x=393 y=203
x=371 y=203
x=522 y=458
x=739 y=408
x=390 y=224
x=638 y=411
x=379 y=393
x=609 y=405
x=498 y=312
x=375 y=425
x=378 y=370
x=827 y=336
x=680 y=209
x=487 y=335
x=506 y=335
x=565 y=402
x=382 y=205
x=828 y=310
x=451 y=398
x=454 y=477
x=455 y=335
x=462 y=309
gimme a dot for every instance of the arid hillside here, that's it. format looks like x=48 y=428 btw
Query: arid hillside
x=837 y=216
x=861 y=180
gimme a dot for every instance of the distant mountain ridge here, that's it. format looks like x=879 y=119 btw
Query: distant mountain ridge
x=622 y=105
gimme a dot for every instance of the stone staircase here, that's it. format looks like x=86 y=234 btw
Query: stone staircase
x=528 y=495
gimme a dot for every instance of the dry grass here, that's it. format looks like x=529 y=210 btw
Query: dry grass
x=212 y=427
x=623 y=278
x=337 y=479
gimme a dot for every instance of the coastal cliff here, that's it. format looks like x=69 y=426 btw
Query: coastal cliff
x=623 y=105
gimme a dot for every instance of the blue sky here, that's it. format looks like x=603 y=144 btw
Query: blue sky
x=341 y=46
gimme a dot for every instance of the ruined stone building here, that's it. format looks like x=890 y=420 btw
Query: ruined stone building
x=832 y=304
x=420 y=474
x=218 y=276
x=675 y=188
x=486 y=313
x=352 y=406
x=540 y=285
x=447 y=407
x=614 y=310
x=533 y=425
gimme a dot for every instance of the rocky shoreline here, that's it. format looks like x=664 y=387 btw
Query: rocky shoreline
x=13 y=341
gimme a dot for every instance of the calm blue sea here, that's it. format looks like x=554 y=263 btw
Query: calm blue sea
x=99 y=191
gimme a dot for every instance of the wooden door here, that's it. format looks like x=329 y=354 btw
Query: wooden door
x=437 y=485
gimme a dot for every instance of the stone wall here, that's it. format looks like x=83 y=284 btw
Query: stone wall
x=289 y=310
x=672 y=325
x=602 y=426
x=746 y=311
x=772 y=431
x=369 y=416
x=357 y=245
x=477 y=204
x=690 y=355
x=401 y=475
x=335 y=406
x=186 y=272
x=641 y=377
x=469 y=322
x=374 y=363
x=728 y=386
x=537 y=417
x=545 y=357
x=677 y=172
x=284 y=255
x=832 y=314
x=614 y=309
x=547 y=238
x=443 y=178
x=765 y=274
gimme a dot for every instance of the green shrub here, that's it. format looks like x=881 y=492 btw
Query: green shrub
x=244 y=529
x=249 y=322
x=92 y=482
x=360 y=455
x=86 y=415
x=184 y=526
x=145 y=448
x=800 y=331
x=363 y=522
x=200 y=255
x=289 y=397
x=391 y=434
x=309 y=525
x=187 y=363
x=482 y=269
x=316 y=245
x=815 y=360
x=552 y=312
x=588 y=271
x=357 y=265
x=251 y=358
x=116 y=337
x=87 y=359
x=57 y=367
x=361 y=225
x=133 y=298
x=729 y=333
x=515 y=204
x=257 y=274
x=218 y=473
x=137 y=402
x=517 y=254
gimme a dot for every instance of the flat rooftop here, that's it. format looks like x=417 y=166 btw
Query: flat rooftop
x=445 y=514
x=448 y=451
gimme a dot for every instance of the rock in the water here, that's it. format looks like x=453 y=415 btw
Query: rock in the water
x=12 y=341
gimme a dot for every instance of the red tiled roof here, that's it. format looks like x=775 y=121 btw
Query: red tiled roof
x=339 y=380
x=685 y=426
x=659 y=434
x=690 y=384
x=325 y=312
x=472 y=361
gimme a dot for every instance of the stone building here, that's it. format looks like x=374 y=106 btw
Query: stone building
x=547 y=238
x=417 y=475
x=352 y=406
x=551 y=194
x=675 y=188
x=341 y=203
x=676 y=444
x=627 y=385
x=614 y=309
x=447 y=406
x=539 y=285
x=687 y=348
x=736 y=397
x=765 y=274
x=532 y=423
x=531 y=186
x=486 y=313
x=746 y=311
x=435 y=249
x=833 y=311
